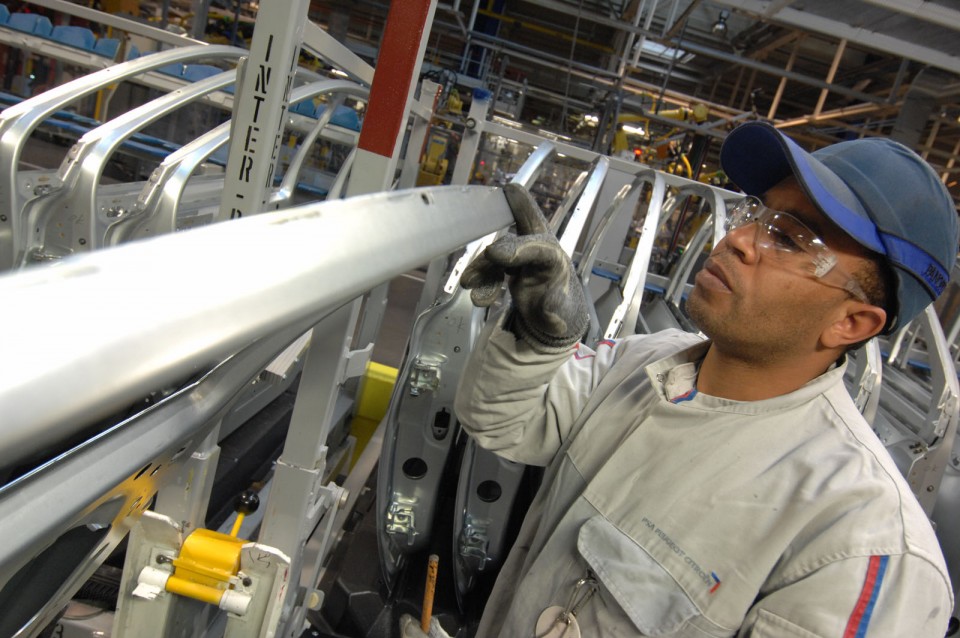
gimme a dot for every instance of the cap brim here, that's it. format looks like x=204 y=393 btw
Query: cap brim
x=757 y=157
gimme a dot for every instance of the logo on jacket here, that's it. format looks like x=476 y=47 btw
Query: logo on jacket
x=716 y=582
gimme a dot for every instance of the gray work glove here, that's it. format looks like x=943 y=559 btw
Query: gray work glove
x=549 y=309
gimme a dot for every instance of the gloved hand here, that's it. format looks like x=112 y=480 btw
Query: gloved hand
x=410 y=628
x=550 y=312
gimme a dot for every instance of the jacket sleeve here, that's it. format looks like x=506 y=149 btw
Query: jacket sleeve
x=864 y=596
x=521 y=403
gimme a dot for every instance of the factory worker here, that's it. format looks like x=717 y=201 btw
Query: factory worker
x=729 y=486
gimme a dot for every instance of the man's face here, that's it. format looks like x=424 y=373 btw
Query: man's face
x=755 y=309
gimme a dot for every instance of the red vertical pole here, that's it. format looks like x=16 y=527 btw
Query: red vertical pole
x=398 y=65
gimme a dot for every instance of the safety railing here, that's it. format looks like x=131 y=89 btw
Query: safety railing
x=80 y=343
x=161 y=199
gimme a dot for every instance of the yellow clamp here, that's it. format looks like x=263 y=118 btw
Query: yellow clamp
x=207 y=569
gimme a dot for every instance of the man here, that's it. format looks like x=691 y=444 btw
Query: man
x=723 y=487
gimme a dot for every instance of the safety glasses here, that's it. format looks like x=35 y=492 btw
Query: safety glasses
x=789 y=244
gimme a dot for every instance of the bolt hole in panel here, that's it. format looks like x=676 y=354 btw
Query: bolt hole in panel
x=441 y=424
x=415 y=468
x=489 y=491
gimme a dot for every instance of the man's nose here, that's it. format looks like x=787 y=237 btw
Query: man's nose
x=743 y=241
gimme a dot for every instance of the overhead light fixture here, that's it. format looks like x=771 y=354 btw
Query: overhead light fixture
x=720 y=26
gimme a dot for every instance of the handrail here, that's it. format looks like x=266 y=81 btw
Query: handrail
x=82 y=339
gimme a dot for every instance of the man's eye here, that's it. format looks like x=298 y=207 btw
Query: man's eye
x=782 y=240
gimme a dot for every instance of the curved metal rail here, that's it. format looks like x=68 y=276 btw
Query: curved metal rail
x=20 y=120
x=157 y=204
x=99 y=351
x=66 y=219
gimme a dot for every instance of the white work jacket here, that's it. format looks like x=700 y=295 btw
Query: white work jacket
x=700 y=517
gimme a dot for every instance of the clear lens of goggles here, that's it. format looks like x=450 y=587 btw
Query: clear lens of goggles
x=791 y=242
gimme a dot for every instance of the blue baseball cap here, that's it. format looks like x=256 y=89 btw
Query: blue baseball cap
x=876 y=190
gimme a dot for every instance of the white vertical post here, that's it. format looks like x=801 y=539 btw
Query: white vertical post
x=471 y=137
x=429 y=94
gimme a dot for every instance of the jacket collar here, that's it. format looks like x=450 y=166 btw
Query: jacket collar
x=660 y=374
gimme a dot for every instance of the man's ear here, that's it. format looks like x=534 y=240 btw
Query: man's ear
x=860 y=322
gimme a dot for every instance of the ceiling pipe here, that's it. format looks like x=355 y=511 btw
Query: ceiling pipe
x=778 y=72
x=595 y=75
x=847 y=111
x=546 y=59
x=874 y=40
x=714 y=53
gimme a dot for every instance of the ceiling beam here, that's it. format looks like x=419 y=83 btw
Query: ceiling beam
x=858 y=35
x=922 y=10
x=776 y=5
x=678 y=23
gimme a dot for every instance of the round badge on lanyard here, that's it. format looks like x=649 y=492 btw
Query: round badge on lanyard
x=561 y=622
x=557 y=622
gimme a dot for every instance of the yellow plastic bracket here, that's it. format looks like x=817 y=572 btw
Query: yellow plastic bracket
x=208 y=558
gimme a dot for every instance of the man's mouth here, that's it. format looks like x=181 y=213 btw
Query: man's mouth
x=713 y=269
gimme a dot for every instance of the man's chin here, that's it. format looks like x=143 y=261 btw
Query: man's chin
x=696 y=313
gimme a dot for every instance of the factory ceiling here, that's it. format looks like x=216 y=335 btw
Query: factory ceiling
x=822 y=70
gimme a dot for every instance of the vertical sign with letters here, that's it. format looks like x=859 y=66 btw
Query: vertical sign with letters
x=260 y=107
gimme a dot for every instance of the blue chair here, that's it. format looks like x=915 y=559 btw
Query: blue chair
x=79 y=37
x=343 y=116
x=305 y=107
x=107 y=47
x=4 y=14
x=219 y=156
x=176 y=70
x=197 y=72
x=30 y=23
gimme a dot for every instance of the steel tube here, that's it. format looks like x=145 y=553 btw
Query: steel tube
x=84 y=338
